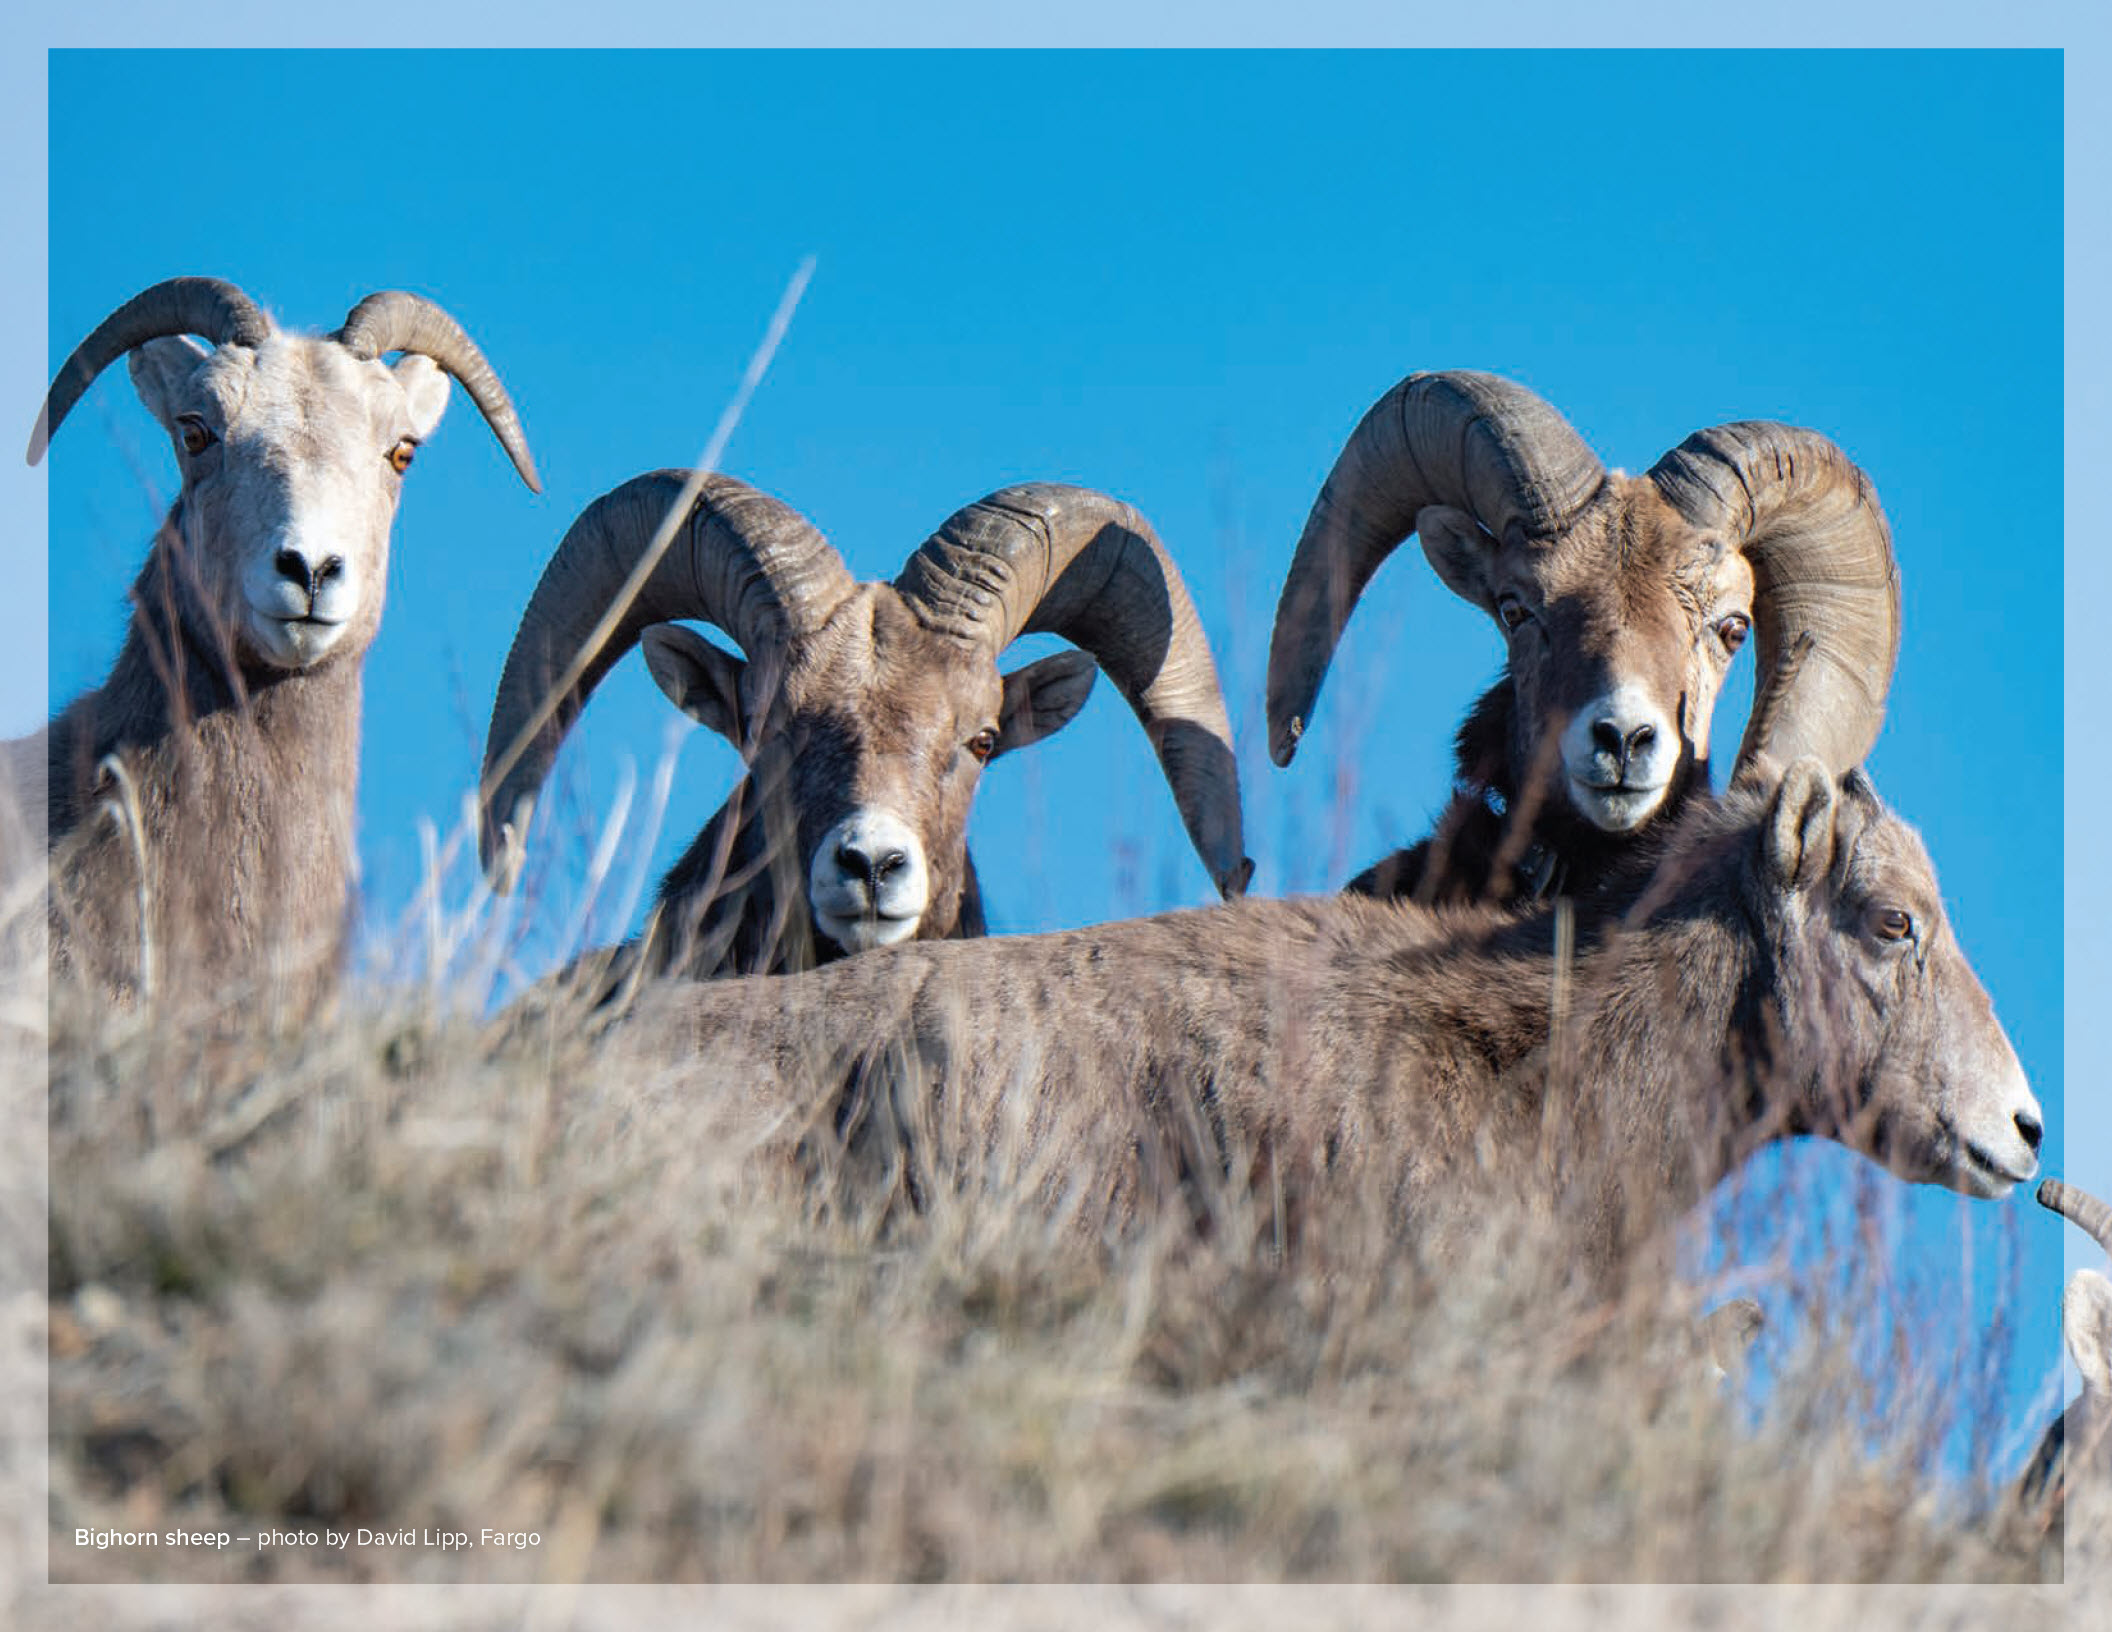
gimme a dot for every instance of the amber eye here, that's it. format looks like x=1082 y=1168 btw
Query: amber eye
x=196 y=438
x=1891 y=923
x=1511 y=612
x=1733 y=630
x=401 y=455
x=983 y=744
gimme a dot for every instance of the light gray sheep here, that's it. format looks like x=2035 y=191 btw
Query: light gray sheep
x=201 y=799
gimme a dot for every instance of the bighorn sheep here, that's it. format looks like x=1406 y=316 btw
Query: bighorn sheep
x=201 y=799
x=2076 y=1452
x=1621 y=600
x=1787 y=969
x=865 y=711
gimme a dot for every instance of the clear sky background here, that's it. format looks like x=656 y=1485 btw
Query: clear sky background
x=1180 y=278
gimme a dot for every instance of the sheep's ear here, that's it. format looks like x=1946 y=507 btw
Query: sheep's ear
x=1729 y=1330
x=1460 y=552
x=698 y=678
x=160 y=369
x=425 y=387
x=1799 y=840
x=2086 y=1313
x=1042 y=698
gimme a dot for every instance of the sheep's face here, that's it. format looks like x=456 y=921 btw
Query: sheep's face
x=1619 y=632
x=877 y=730
x=292 y=455
x=1920 y=1074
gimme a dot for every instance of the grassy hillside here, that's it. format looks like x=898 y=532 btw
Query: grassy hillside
x=413 y=1271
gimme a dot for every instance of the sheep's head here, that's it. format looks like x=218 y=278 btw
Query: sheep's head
x=1868 y=977
x=1622 y=600
x=868 y=710
x=877 y=732
x=2077 y=1449
x=1613 y=674
x=2086 y=1309
x=292 y=451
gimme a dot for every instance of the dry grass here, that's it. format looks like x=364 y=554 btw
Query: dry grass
x=411 y=1269
x=406 y=1270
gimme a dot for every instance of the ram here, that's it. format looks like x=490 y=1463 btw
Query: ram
x=1621 y=601
x=2069 y=1478
x=1786 y=968
x=201 y=799
x=865 y=712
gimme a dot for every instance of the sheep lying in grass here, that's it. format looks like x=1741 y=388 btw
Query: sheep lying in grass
x=1620 y=600
x=1786 y=969
x=865 y=711
x=201 y=799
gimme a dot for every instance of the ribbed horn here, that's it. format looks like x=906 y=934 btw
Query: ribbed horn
x=2080 y=1208
x=209 y=307
x=393 y=320
x=1825 y=585
x=1475 y=442
x=742 y=560
x=1043 y=556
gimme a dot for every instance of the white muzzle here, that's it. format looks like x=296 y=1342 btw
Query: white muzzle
x=867 y=882
x=1618 y=755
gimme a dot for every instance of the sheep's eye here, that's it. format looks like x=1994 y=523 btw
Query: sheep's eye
x=401 y=455
x=196 y=438
x=1733 y=630
x=1511 y=612
x=983 y=744
x=1891 y=923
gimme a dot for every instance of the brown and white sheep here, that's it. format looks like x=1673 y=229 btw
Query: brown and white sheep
x=1621 y=601
x=865 y=711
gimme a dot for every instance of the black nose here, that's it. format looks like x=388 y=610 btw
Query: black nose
x=1606 y=737
x=295 y=568
x=872 y=869
x=2032 y=1130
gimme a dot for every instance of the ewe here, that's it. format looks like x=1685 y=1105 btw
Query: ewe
x=1621 y=600
x=865 y=711
x=201 y=799
x=1786 y=969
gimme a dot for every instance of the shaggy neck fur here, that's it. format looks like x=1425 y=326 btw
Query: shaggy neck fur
x=246 y=779
x=1495 y=843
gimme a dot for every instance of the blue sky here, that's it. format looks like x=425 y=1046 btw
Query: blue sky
x=1178 y=278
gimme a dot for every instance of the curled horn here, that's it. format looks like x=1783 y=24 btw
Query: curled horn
x=395 y=321
x=1825 y=585
x=742 y=560
x=1472 y=441
x=2080 y=1208
x=1042 y=556
x=211 y=307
